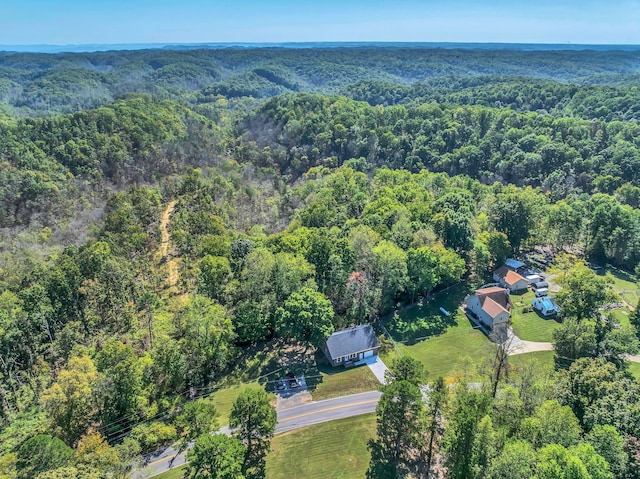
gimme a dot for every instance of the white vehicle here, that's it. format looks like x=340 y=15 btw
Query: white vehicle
x=541 y=292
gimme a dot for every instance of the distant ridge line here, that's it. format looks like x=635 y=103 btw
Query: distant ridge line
x=88 y=48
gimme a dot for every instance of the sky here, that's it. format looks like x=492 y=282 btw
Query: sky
x=66 y=22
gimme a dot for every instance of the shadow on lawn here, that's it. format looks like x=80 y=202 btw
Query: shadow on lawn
x=616 y=273
x=297 y=360
x=426 y=320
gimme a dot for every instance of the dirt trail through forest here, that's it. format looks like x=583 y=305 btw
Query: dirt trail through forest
x=165 y=247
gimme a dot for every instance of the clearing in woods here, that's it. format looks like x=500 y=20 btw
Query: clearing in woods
x=172 y=262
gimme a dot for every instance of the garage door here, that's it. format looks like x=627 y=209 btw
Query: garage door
x=368 y=354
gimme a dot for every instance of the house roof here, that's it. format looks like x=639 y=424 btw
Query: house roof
x=514 y=263
x=492 y=308
x=494 y=300
x=510 y=277
x=352 y=340
x=489 y=290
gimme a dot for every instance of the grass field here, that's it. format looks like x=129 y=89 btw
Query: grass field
x=621 y=316
x=332 y=450
x=176 y=473
x=539 y=360
x=224 y=398
x=634 y=368
x=427 y=320
x=336 y=382
x=453 y=346
x=623 y=283
x=530 y=326
x=458 y=350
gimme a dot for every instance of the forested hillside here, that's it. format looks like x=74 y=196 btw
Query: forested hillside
x=171 y=221
x=35 y=84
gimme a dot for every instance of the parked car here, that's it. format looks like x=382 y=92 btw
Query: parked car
x=540 y=292
x=280 y=385
x=293 y=383
x=540 y=285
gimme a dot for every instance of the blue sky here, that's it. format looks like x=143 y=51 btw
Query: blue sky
x=194 y=21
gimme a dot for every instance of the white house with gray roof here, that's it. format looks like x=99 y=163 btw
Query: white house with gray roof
x=351 y=345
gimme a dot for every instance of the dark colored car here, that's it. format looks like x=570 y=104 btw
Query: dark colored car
x=280 y=385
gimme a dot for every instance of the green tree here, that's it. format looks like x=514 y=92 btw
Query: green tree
x=215 y=457
x=207 y=338
x=596 y=465
x=306 y=316
x=198 y=417
x=451 y=267
x=454 y=229
x=406 y=368
x=515 y=213
x=551 y=424
x=390 y=270
x=607 y=441
x=423 y=270
x=557 y=462
x=575 y=339
x=516 y=461
x=40 y=454
x=121 y=387
x=436 y=403
x=94 y=452
x=599 y=393
x=468 y=409
x=215 y=273
x=70 y=400
x=400 y=418
x=583 y=293
x=484 y=448
x=498 y=246
x=72 y=472
x=254 y=420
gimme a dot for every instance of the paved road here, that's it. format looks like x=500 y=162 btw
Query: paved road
x=288 y=420
x=327 y=410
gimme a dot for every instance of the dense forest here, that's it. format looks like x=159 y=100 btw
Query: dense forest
x=165 y=214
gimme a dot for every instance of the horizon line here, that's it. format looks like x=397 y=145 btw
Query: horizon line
x=79 y=48
x=294 y=42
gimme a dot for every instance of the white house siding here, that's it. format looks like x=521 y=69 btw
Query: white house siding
x=519 y=286
x=501 y=318
x=474 y=305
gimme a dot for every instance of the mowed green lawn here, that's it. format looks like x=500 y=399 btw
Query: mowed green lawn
x=224 y=398
x=531 y=326
x=176 y=473
x=459 y=349
x=634 y=368
x=331 y=450
x=539 y=361
x=339 y=381
x=623 y=283
x=420 y=321
x=621 y=316
x=453 y=344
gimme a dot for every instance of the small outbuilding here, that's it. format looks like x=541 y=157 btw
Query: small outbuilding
x=514 y=264
x=507 y=278
x=349 y=346
x=491 y=306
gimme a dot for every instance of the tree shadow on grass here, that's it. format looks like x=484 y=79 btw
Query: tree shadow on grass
x=427 y=320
